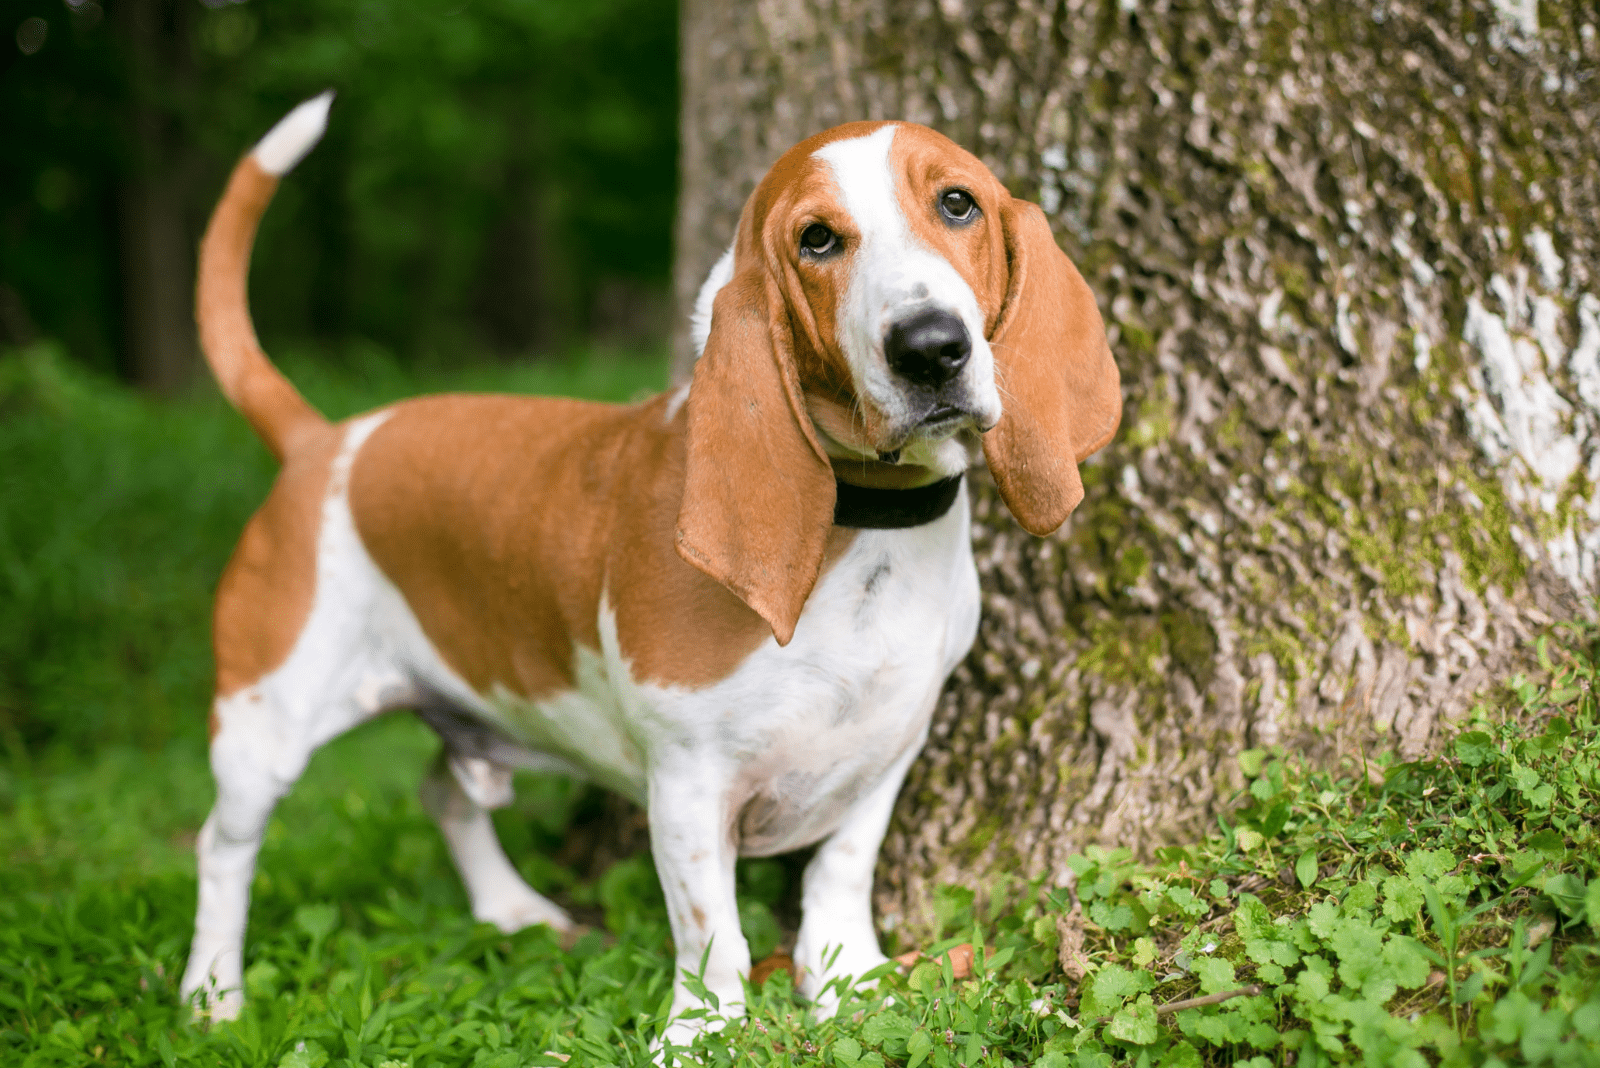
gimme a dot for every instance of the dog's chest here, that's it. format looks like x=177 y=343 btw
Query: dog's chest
x=798 y=733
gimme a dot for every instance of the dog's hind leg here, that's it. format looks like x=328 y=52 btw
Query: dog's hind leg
x=259 y=751
x=458 y=793
x=266 y=734
x=339 y=671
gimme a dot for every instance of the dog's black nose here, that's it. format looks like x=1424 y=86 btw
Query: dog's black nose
x=928 y=348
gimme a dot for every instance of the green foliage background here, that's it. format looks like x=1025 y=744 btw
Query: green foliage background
x=491 y=165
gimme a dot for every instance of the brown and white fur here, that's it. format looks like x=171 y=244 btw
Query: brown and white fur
x=654 y=596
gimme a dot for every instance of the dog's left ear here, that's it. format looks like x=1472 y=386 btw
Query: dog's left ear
x=758 y=492
x=1061 y=396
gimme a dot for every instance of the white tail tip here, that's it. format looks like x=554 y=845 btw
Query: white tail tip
x=297 y=133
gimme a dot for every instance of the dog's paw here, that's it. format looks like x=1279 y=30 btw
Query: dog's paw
x=209 y=1006
x=213 y=986
x=818 y=972
x=681 y=1032
x=511 y=911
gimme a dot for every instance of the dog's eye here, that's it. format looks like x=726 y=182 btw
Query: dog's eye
x=958 y=205
x=817 y=239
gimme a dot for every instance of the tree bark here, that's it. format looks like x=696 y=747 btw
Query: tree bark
x=1347 y=259
x=158 y=233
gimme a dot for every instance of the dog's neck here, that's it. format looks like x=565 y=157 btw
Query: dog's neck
x=862 y=508
x=880 y=475
x=873 y=495
x=878 y=492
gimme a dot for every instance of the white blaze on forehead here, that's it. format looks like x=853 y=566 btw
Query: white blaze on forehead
x=861 y=168
x=865 y=184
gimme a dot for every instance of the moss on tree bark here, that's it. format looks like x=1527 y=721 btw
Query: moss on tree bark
x=1346 y=253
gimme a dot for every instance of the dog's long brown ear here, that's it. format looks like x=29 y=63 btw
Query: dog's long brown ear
x=1060 y=394
x=758 y=491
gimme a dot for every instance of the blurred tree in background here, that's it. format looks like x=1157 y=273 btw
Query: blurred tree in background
x=499 y=175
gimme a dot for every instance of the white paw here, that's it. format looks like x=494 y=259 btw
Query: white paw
x=211 y=1002
x=681 y=1032
x=213 y=990
x=819 y=969
x=513 y=910
x=225 y=1006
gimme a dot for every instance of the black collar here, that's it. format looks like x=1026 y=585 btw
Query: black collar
x=864 y=508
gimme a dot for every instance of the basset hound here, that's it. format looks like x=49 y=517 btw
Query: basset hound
x=735 y=603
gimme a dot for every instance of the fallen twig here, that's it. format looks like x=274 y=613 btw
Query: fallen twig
x=1210 y=999
x=1199 y=1003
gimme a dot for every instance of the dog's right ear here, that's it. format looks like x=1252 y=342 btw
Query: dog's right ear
x=758 y=492
x=1063 y=395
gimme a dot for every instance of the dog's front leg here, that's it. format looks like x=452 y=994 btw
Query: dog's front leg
x=690 y=837
x=837 y=936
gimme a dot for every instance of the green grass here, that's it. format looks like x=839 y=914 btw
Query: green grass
x=1433 y=912
x=1437 y=912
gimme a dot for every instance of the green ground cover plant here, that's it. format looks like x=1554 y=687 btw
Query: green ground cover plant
x=1442 y=911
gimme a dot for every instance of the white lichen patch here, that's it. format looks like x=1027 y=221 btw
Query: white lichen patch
x=1585 y=363
x=1550 y=263
x=1520 y=15
x=1534 y=409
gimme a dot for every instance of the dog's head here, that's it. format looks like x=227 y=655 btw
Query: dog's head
x=885 y=302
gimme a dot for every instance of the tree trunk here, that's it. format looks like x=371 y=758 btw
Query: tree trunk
x=158 y=234
x=1346 y=255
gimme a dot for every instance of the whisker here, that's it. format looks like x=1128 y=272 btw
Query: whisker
x=999 y=381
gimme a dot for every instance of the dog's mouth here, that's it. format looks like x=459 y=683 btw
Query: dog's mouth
x=937 y=424
x=941 y=419
x=922 y=437
x=941 y=415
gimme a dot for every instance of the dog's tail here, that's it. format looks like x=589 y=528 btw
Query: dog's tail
x=248 y=379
